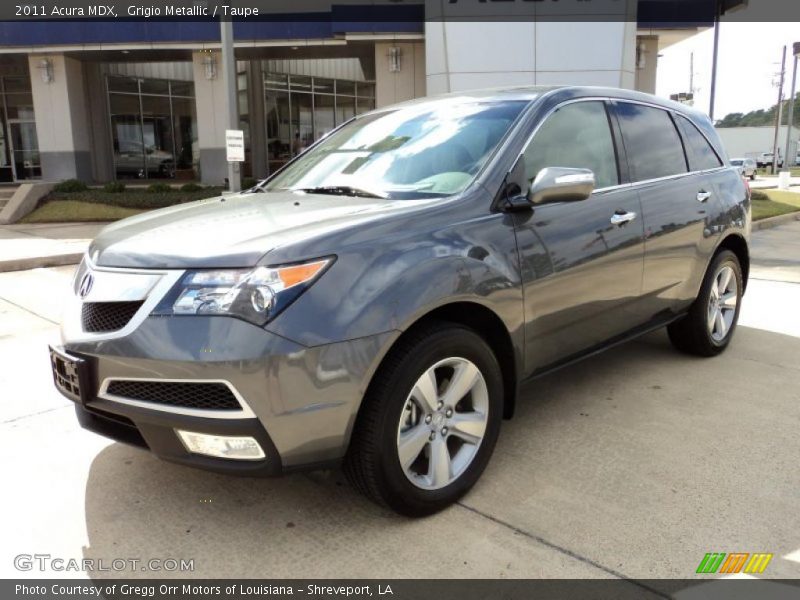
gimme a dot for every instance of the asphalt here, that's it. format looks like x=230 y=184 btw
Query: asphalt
x=633 y=465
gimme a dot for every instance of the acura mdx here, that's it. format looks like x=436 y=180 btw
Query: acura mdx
x=377 y=301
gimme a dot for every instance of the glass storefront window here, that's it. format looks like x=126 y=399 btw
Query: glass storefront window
x=181 y=88
x=365 y=90
x=276 y=114
x=20 y=106
x=347 y=88
x=123 y=84
x=154 y=86
x=153 y=127
x=19 y=145
x=324 y=114
x=312 y=107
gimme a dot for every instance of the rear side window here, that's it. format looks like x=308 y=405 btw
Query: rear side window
x=701 y=155
x=652 y=143
x=576 y=135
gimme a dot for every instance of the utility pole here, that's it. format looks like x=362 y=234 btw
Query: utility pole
x=717 y=11
x=229 y=82
x=790 y=116
x=691 y=73
x=778 y=113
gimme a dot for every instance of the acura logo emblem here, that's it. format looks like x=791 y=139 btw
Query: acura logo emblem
x=86 y=285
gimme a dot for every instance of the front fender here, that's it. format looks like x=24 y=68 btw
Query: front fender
x=383 y=286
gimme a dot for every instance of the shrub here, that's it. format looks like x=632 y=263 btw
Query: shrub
x=114 y=187
x=191 y=187
x=69 y=186
x=758 y=195
x=248 y=182
x=135 y=197
x=159 y=188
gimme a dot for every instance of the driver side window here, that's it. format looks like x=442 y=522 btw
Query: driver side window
x=576 y=135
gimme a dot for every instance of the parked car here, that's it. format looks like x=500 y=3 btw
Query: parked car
x=137 y=160
x=765 y=160
x=377 y=302
x=746 y=166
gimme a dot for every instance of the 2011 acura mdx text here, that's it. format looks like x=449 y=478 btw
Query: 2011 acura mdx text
x=377 y=302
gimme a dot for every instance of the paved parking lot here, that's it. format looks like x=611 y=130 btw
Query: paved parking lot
x=633 y=464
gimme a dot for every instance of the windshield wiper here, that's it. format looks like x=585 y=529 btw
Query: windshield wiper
x=342 y=190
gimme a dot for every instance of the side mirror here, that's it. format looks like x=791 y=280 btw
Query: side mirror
x=560 y=184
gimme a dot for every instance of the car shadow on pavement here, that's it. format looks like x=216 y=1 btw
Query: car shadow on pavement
x=604 y=457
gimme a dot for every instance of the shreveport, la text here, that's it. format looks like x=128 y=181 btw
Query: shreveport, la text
x=151 y=591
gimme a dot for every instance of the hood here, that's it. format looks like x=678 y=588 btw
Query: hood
x=230 y=231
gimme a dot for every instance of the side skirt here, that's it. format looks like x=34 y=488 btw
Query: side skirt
x=632 y=334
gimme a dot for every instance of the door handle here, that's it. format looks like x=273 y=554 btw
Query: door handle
x=621 y=218
x=703 y=195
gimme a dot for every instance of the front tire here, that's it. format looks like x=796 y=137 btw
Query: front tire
x=709 y=326
x=429 y=421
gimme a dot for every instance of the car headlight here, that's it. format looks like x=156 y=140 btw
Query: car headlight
x=255 y=295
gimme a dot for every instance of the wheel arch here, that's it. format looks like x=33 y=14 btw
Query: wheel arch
x=489 y=326
x=738 y=245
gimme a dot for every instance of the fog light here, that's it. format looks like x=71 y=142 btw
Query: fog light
x=221 y=446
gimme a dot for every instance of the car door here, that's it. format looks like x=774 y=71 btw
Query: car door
x=675 y=201
x=581 y=261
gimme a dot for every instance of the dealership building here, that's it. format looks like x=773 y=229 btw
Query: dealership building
x=105 y=100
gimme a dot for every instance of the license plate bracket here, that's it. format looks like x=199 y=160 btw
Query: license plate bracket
x=70 y=375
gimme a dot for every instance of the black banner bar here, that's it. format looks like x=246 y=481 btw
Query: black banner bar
x=648 y=13
x=400 y=589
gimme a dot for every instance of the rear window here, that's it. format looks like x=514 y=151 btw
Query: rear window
x=701 y=155
x=652 y=143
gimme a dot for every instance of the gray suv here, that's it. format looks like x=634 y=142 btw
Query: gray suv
x=377 y=302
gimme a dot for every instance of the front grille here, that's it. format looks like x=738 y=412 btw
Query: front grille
x=197 y=395
x=99 y=317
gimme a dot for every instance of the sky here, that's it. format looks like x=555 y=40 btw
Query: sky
x=749 y=61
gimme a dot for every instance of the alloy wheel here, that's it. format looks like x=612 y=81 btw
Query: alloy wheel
x=722 y=303
x=443 y=423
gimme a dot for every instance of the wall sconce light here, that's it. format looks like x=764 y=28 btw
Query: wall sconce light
x=210 y=65
x=641 y=54
x=46 y=70
x=395 y=55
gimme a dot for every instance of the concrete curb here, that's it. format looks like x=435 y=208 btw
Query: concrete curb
x=37 y=262
x=24 y=201
x=771 y=222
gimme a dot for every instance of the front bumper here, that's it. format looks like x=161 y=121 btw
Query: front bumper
x=298 y=402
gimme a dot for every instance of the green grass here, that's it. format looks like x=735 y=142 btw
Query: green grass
x=73 y=210
x=795 y=171
x=771 y=203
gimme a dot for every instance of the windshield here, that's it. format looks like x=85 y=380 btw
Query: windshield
x=416 y=152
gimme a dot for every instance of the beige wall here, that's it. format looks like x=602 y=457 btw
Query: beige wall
x=646 y=67
x=212 y=115
x=466 y=55
x=62 y=122
x=406 y=84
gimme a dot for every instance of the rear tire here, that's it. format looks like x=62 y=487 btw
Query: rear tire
x=429 y=421
x=709 y=326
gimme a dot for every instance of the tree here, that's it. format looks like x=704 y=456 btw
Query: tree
x=762 y=117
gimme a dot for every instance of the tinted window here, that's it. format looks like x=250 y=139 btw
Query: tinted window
x=701 y=154
x=576 y=135
x=652 y=143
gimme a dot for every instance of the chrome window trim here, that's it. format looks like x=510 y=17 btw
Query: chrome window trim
x=245 y=413
x=629 y=184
